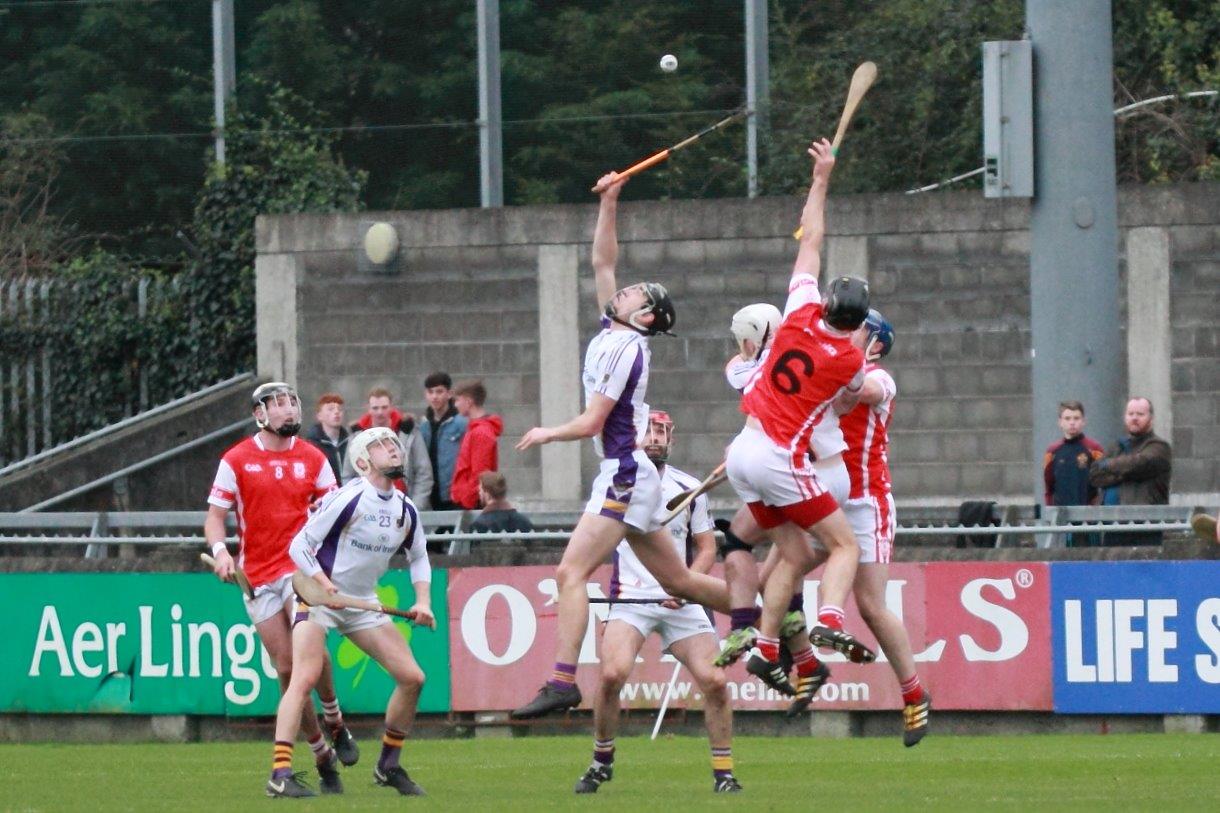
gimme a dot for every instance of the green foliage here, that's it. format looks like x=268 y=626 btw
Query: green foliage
x=199 y=325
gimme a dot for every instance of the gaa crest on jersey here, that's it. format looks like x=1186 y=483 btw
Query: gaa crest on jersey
x=253 y=468
x=298 y=470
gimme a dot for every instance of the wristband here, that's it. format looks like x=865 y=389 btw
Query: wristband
x=218 y=547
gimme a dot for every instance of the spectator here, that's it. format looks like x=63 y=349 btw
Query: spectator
x=1139 y=465
x=442 y=430
x=417 y=480
x=1067 y=461
x=498 y=514
x=329 y=434
x=478 y=451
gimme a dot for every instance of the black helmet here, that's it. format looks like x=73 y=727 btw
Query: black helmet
x=270 y=391
x=661 y=307
x=846 y=304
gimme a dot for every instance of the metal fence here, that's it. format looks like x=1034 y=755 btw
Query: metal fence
x=27 y=377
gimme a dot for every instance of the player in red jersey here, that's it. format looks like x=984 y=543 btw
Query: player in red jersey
x=271 y=479
x=812 y=366
x=870 y=510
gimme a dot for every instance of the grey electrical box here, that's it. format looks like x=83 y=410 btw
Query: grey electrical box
x=1008 y=119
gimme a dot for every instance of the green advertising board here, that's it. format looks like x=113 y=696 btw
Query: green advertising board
x=178 y=643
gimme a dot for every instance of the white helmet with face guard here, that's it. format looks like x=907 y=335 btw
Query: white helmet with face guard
x=359 y=451
x=758 y=323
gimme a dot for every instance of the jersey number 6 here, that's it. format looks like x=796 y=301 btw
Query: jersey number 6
x=784 y=377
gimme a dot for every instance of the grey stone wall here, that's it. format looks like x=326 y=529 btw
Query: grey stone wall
x=950 y=270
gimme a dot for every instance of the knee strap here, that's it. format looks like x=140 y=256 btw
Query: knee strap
x=731 y=542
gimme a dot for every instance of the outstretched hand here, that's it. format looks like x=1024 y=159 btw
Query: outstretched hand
x=823 y=159
x=537 y=436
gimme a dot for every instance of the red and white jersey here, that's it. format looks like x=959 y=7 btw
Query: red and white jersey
x=808 y=364
x=271 y=492
x=827 y=438
x=866 y=428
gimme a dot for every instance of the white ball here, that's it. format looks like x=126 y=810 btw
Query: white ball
x=669 y=63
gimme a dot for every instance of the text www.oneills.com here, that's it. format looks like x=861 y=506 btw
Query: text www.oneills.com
x=745 y=690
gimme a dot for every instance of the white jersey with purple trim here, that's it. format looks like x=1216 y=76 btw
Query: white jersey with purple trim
x=616 y=366
x=354 y=534
x=630 y=579
x=827 y=439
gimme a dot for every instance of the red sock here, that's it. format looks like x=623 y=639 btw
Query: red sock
x=806 y=662
x=831 y=616
x=768 y=647
x=912 y=690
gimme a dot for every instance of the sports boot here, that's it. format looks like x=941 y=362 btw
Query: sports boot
x=594 y=777
x=770 y=672
x=397 y=778
x=328 y=777
x=806 y=687
x=547 y=700
x=726 y=784
x=344 y=743
x=915 y=720
x=290 y=787
x=841 y=641
x=735 y=644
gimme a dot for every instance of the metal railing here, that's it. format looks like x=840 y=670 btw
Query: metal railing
x=99 y=529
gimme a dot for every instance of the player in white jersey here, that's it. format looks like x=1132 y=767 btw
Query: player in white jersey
x=346 y=546
x=626 y=498
x=685 y=629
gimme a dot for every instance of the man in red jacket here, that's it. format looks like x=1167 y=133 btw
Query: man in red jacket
x=478 y=452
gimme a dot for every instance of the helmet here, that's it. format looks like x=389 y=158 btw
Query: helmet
x=358 y=449
x=657 y=453
x=881 y=330
x=758 y=323
x=272 y=391
x=846 y=303
x=658 y=304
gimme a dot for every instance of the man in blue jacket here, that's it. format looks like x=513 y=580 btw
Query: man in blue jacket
x=442 y=430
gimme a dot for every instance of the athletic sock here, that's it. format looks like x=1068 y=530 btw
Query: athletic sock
x=912 y=690
x=331 y=713
x=722 y=763
x=603 y=752
x=797 y=603
x=322 y=752
x=743 y=617
x=805 y=661
x=831 y=616
x=768 y=647
x=281 y=760
x=563 y=676
x=391 y=747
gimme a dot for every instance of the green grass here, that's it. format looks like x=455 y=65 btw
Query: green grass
x=1167 y=772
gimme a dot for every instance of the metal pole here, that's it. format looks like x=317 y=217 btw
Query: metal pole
x=1077 y=350
x=224 y=67
x=491 y=164
x=758 y=93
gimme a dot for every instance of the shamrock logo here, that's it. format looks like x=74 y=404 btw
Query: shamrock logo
x=351 y=656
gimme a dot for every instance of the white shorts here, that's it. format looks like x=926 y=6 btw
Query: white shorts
x=767 y=477
x=833 y=475
x=629 y=489
x=671 y=625
x=873 y=520
x=269 y=599
x=345 y=621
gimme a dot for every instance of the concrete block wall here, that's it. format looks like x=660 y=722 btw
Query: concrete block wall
x=950 y=271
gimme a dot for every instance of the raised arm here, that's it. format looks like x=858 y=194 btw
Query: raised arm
x=605 y=239
x=813 y=216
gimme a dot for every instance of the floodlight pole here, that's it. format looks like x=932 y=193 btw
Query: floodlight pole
x=491 y=161
x=224 y=67
x=1076 y=347
x=758 y=93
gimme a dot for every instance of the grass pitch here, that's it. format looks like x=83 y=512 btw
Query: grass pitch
x=1168 y=772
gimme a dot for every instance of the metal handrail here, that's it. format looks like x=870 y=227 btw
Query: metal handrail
x=123 y=424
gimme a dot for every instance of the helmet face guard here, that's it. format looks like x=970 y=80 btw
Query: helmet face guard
x=279 y=394
x=659 y=453
x=846 y=304
x=361 y=447
x=879 y=330
x=657 y=302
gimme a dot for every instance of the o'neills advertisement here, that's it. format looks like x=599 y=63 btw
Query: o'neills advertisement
x=980 y=633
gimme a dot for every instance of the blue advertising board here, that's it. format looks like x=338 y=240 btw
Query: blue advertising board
x=1136 y=637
